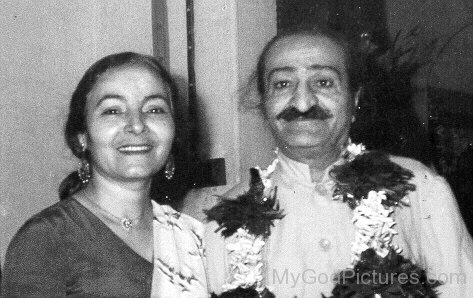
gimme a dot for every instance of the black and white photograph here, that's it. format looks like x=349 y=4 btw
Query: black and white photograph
x=236 y=148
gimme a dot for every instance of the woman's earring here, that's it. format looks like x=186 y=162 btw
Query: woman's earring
x=353 y=117
x=84 y=168
x=170 y=168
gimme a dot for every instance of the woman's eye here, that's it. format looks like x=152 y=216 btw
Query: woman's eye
x=111 y=112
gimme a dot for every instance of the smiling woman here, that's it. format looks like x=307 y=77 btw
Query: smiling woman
x=106 y=237
x=130 y=129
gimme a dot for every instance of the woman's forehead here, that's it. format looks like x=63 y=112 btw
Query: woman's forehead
x=129 y=80
x=140 y=69
x=127 y=76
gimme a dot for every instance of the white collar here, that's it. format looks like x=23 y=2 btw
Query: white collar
x=299 y=171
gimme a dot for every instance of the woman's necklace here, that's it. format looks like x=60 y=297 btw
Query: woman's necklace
x=126 y=223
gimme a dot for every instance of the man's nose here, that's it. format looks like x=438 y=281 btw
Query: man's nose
x=304 y=97
x=135 y=123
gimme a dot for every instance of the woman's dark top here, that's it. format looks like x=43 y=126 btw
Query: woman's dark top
x=66 y=250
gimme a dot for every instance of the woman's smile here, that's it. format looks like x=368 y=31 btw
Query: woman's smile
x=135 y=149
x=130 y=124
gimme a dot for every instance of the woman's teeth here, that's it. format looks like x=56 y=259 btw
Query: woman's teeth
x=134 y=148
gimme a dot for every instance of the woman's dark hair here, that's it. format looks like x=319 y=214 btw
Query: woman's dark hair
x=351 y=54
x=76 y=121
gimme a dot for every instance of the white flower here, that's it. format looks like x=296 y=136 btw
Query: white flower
x=374 y=226
x=245 y=256
x=266 y=178
x=355 y=149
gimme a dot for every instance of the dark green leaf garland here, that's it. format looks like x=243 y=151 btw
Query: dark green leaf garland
x=244 y=293
x=252 y=211
x=371 y=171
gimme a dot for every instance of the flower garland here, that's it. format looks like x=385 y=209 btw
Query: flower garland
x=374 y=227
x=372 y=186
x=248 y=220
x=246 y=261
x=371 y=216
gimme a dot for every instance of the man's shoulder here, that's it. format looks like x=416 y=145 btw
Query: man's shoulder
x=425 y=177
x=197 y=201
x=236 y=190
x=231 y=194
x=413 y=165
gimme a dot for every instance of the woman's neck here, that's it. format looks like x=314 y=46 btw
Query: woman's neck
x=120 y=199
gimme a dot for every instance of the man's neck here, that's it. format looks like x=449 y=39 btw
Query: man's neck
x=318 y=160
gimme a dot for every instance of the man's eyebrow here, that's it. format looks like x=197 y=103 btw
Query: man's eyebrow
x=283 y=68
x=313 y=67
x=326 y=67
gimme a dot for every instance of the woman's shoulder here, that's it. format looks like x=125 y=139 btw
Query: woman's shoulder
x=41 y=232
x=48 y=219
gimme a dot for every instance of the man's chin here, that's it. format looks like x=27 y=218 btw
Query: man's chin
x=308 y=139
x=310 y=142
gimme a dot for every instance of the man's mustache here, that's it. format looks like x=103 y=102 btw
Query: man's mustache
x=315 y=112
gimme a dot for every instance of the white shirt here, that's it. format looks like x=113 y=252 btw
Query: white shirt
x=312 y=242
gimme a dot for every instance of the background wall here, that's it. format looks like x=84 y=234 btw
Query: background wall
x=229 y=34
x=45 y=47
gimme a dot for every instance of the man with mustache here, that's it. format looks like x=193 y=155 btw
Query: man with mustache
x=314 y=112
x=309 y=89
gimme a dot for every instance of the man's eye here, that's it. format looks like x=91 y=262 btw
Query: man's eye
x=325 y=83
x=281 y=84
x=156 y=110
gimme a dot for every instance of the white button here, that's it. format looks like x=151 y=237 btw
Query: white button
x=325 y=244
